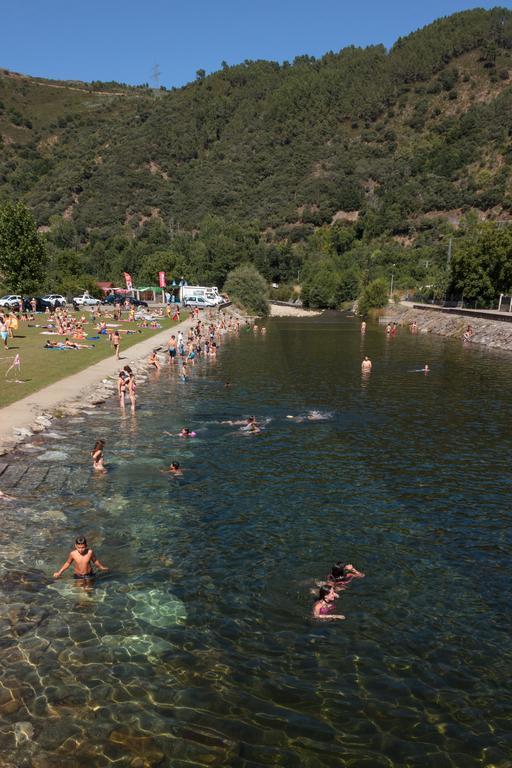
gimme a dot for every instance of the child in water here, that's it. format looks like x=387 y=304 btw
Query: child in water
x=324 y=607
x=341 y=575
x=83 y=559
x=175 y=469
x=97 y=456
x=185 y=432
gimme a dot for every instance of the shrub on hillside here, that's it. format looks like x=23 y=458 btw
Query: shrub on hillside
x=248 y=289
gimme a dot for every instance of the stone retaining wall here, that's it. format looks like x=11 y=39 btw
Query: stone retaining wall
x=490 y=333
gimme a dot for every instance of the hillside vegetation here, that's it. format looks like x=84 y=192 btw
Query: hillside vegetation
x=328 y=170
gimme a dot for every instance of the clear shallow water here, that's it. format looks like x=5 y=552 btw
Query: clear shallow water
x=198 y=648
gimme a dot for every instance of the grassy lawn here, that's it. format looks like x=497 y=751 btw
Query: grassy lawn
x=40 y=367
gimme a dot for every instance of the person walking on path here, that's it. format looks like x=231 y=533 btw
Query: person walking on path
x=116 y=341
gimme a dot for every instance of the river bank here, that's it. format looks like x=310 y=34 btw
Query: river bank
x=489 y=333
x=82 y=391
x=283 y=310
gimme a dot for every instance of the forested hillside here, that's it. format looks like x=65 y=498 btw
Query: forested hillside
x=339 y=166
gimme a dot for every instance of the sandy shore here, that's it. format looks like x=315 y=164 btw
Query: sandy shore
x=84 y=389
x=280 y=310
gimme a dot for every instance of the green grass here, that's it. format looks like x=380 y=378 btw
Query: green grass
x=40 y=367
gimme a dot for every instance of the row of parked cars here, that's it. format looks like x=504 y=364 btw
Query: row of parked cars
x=17 y=303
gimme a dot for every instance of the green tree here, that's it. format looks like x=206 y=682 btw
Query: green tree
x=22 y=249
x=374 y=296
x=248 y=289
x=482 y=264
x=320 y=287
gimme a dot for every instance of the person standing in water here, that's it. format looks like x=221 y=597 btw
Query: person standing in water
x=97 y=456
x=366 y=365
x=363 y=327
x=172 y=348
x=83 y=559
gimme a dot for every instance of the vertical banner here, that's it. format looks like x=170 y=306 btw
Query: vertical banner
x=128 y=278
x=161 y=277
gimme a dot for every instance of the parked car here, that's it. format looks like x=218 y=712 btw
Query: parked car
x=11 y=300
x=41 y=304
x=56 y=299
x=116 y=298
x=85 y=300
x=199 y=301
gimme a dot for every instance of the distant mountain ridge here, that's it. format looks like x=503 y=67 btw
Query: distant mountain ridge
x=381 y=138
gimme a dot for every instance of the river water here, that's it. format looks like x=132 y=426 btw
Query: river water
x=197 y=649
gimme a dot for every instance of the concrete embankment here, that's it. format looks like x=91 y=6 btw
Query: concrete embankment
x=488 y=332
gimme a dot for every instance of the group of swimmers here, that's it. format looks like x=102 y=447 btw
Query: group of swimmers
x=391 y=330
x=338 y=579
x=83 y=558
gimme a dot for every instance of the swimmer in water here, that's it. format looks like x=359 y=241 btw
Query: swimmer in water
x=174 y=469
x=426 y=369
x=366 y=365
x=185 y=432
x=311 y=416
x=324 y=607
x=251 y=425
x=83 y=559
x=341 y=575
x=97 y=456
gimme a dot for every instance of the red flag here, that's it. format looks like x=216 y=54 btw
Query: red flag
x=128 y=278
x=161 y=277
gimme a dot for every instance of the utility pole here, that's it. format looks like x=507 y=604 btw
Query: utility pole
x=391 y=285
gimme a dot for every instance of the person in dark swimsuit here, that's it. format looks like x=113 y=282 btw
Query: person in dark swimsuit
x=324 y=607
x=341 y=575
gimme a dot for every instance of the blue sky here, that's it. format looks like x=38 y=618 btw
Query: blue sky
x=123 y=39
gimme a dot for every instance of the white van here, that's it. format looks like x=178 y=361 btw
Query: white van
x=211 y=293
x=203 y=302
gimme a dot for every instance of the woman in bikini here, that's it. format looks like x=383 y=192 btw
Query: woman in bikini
x=132 y=388
x=122 y=382
x=116 y=340
x=324 y=607
x=97 y=456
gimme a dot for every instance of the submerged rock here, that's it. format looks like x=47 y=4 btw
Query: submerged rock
x=52 y=456
x=158 y=607
x=23 y=731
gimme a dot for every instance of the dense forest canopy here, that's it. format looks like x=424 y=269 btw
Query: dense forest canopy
x=330 y=172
